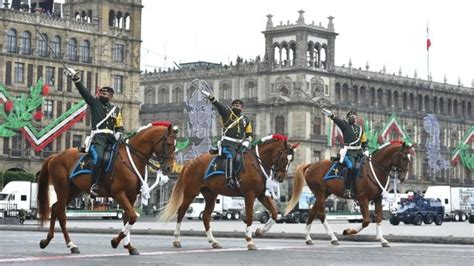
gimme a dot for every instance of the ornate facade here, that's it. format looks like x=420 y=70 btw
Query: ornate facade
x=285 y=91
x=100 y=38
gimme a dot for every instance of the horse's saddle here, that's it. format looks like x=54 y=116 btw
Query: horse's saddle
x=218 y=164
x=85 y=164
x=338 y=170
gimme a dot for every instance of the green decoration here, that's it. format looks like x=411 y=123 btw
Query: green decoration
x=23 y=109
x=182 y=143
x=463 y=150
x=372 y=136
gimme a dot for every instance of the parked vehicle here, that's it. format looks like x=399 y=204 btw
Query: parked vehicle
x=229 y=208
x=457 y=201
x=417 y=210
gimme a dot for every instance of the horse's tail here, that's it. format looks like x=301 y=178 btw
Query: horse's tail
x=42 y=196
x=298 y=183
x=176 y=198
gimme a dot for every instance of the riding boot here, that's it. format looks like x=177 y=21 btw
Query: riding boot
x=228 y=174
x=94 y=191
x=348 y=183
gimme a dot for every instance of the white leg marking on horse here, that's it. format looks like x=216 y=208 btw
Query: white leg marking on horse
x=329 y=230
x=127 y=239
x=307 y=231
x=177 y=231
x=210 y=237
x=248 y=232
x=71 y=245
x=126 y=229
x=379 y=235
x=268 y=226
x=359 y=228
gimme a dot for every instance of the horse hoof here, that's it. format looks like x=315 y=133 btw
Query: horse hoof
x=43 y=244
x=216 y=245
x=258 y=233
x=335 y=242
x=309 y=242
x=251 y=247
x=114 y=243
x=133 y=251
x=75 y=250
x=176 y=244
x=385 y=244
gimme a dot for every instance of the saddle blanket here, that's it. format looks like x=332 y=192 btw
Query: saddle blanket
x=85 y=164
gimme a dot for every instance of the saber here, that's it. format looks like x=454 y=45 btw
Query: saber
x=51 y=49
x=202 y=84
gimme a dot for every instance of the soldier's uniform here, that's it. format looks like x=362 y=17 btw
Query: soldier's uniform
x=104 y=123
x=355 y=143
x=235 y=130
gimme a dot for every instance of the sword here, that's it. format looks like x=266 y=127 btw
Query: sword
x=202 y=85
x=51 y=49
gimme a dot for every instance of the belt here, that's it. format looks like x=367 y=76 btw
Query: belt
x=231 y=139
x=353 y=147
x=105 y=131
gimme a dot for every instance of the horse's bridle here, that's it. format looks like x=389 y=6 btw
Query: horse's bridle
x=273 y=168
x=159 y=158
x=392 y=170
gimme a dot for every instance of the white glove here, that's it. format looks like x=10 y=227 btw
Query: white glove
x=69 y=72
x=118 y=136
x=326 y=112
x=206 y=93
x=366 y=153
x=246 y=144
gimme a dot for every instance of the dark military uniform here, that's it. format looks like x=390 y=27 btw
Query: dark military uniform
x=235 y=129
x=103 y=136
x=355 y=143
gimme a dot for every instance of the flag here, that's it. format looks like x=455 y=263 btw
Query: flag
x=428 y=41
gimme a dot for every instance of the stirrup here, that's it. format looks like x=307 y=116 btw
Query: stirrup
x=94 y=190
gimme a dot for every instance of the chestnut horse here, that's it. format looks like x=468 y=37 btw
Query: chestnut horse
x=391 y=159
x=156 y=141
x=270 y=157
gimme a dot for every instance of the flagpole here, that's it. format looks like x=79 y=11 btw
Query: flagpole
x=428 y=44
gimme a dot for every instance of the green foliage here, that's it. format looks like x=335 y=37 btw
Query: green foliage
x=1 y=181
x=17 y=176
x=372 y=136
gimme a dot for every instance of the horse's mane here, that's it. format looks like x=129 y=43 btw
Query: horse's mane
x=388 y=144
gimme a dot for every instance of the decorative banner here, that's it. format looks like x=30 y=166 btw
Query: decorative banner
x=463 y=150
x=393 y=125
x=372 y=136
x=18 y=113
x=435 y=160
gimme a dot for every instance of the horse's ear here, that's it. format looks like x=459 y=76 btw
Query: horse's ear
x=294 y=146
x=173 y=130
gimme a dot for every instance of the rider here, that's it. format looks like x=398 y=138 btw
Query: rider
x=355 y=145
x=106 y=124
x=236 y=132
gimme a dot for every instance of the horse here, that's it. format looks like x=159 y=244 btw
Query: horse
x=269 y=158
x=391 y=159
x=155 y=141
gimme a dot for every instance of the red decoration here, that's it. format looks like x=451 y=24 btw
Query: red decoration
x=161 y=123
x=280 y=137
x=45 y=90
x=8 y=106
x=38 y=115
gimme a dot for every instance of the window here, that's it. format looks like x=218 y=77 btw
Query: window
x=48 y=108
x=49 y=75
x=25 y=44
x=225 y=92
x=86 y=52
x=19 y=73
x=76 y=140
x=56 y=46
x=72 y=49
x=47 y=150
x=11 y=41
x=150 y=96
x=280 y=125
x=118 y=53
x=118 y=84
x=17 y=146
x=163 y=96
x=317 y=126
x=250 y=91
x=42 y=46
x=177 y=95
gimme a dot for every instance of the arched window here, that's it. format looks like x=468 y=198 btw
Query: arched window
x=150 y=96
x=72 y=49
x=250 y=90
x=86 y=52
x=441 y=106
x=395 y=99
x=463 y=108
x=412 y=101
x=25 y=44
x=43 y=46
x=190 y=91
x=119 y=20
x=420 y=103
x=338 y=92
x=455 y=107
x=450 y=107
x=310 y=54
x=405 y=105
x=372 y=96
x=89 y=15
x=427 y=104
x=224 y=92
x=11 y=41
x=355 y=95
x=178 y=95
x=111 y=18
x=435 y=104
x=77 y=16
x=345 y=93
x=277 y=55
x=379 y=97
x=469 y=110
x=322 y=57
x=163 y=96
x=56 y=45
x=363 y=95
x=389 y=99
x=280 y=124
x=126 y=21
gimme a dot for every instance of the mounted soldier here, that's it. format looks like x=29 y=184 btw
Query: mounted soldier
x=355 y=146
x=106 y=124
x=237 y=133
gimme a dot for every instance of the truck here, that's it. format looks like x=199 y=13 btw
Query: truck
x=457 y=201
x=21 y=195
x=389 y=205
x=229 y=208
x=419 y=209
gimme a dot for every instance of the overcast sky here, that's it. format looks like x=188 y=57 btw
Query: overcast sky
x=378 y=32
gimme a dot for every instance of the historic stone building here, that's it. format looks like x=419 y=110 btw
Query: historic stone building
x=100 y=38
x=285 y=91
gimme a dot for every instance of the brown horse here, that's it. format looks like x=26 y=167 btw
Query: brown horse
x=391 y=159
x=270 y=157
x=157 y=141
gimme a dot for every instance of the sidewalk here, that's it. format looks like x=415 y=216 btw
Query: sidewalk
x=448 y=233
